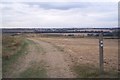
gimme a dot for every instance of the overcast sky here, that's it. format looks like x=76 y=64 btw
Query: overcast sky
x=59 y=14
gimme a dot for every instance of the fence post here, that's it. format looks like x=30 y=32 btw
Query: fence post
x=101 y=58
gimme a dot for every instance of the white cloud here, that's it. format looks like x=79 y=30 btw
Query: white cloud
x=59 y=0
x=26 y=15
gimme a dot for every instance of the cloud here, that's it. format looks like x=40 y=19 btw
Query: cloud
x=58 y=5
x=59 y=14
x=59 y=0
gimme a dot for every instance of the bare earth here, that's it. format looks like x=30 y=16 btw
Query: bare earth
x=56 y=65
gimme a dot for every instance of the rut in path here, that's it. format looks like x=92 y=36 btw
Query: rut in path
x=56 y=65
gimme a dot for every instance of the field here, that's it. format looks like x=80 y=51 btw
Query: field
x=57 y=57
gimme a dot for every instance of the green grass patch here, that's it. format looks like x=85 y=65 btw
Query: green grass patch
x=38 y=46
x=37 y=70
x=90 y=71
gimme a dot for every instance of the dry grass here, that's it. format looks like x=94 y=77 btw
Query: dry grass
x=10 y=44
x=13 y=47
x=86 y=51
x=82 y=51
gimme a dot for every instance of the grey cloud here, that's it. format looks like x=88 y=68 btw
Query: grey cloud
x=77 y=14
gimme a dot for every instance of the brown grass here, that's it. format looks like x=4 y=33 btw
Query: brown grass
x=10 y=45
x=86 y=51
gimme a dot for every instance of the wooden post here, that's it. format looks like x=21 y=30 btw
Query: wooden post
x=101 y=53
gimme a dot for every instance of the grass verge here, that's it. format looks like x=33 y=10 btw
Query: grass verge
x=20 y=50
x=90 y=71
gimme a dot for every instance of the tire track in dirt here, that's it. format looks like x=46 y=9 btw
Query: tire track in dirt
x=56 y=65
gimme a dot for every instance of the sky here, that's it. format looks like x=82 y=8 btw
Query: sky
x=64 y=14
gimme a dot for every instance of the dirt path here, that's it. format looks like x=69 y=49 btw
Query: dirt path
x=56 y=65
x=39 y=52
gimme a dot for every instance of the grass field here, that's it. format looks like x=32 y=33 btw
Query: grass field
x=85 y=51
x=57 y=57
